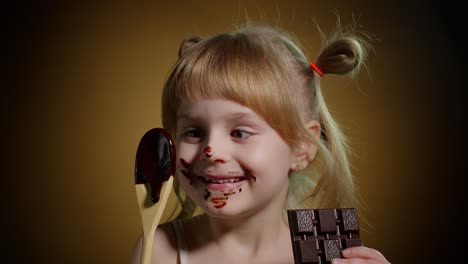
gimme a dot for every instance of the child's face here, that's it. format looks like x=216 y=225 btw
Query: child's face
x=229 y=160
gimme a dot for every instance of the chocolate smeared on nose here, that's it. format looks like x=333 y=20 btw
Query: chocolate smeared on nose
x=208 y=151
x=155 y=160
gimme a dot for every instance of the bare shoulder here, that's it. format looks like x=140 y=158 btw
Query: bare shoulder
x=164 y=246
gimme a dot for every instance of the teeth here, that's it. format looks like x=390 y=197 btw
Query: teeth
x=225 y=180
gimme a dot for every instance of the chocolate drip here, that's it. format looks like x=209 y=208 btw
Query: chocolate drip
x=155 y=160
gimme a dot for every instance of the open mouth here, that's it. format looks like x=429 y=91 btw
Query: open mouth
x=221 y=180
x=222 y=184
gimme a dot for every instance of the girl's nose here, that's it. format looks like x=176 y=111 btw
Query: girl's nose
x=217 y=148
x=208 y=152
x=214 y=154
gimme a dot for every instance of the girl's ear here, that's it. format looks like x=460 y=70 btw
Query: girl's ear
x=306 y=151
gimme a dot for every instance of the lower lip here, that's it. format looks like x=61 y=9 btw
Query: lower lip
x=224 y=186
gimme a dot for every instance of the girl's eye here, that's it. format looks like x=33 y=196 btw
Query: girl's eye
x=240 y=134
x=194 y=133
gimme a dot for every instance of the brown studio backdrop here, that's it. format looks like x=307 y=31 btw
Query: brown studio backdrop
x=89 y=80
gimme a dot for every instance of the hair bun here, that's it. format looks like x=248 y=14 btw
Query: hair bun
x=341 y=56
x=187 y=43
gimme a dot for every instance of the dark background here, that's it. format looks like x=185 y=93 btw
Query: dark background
x=83 y=84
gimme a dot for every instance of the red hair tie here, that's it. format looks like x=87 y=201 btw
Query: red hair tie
x=314 y=66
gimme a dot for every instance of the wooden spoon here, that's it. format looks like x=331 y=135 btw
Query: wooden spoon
x=154 y=166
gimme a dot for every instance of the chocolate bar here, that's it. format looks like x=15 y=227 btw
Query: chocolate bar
x=319 y=235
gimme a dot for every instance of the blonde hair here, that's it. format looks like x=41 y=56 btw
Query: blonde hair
x=264 y=68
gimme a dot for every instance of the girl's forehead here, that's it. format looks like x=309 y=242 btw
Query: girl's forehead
x=216 y=108
x=211 y=104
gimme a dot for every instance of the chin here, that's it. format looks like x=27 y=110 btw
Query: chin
x=228 y=211
x=220 y=210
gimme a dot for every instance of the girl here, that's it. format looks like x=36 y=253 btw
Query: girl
x=254 y=137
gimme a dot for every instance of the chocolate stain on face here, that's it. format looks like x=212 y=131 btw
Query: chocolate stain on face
x=230 y=192
x=208 y=152
x=184 y=163
x=207 y=194
x=219 y=202
x=250 y=173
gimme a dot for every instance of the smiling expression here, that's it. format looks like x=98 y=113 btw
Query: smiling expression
x=229 y=160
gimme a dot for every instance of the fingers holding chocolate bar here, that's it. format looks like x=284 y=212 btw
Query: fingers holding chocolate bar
x=360 y=254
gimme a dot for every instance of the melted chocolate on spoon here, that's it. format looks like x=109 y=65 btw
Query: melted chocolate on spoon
x=155 y=160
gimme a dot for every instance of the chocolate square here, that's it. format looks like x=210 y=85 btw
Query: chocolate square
x=308 y=251
x=332 y=249
x=327 y=220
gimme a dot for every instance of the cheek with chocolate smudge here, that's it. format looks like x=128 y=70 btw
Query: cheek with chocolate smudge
x=250 y=173
x=184 y=163
x=186 y=171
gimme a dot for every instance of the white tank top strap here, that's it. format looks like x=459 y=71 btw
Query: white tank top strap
x=179 y=231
